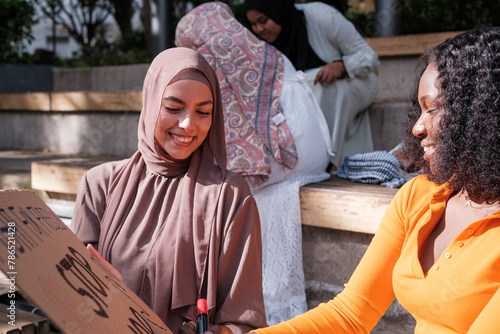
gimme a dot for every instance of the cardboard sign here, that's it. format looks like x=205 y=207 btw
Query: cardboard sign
x=52 y=269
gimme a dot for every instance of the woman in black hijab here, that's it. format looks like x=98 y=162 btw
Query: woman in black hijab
x=320 y=41
x=292 y=40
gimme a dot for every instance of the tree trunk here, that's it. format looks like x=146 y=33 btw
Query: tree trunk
x=123 y=16
x=146 y=23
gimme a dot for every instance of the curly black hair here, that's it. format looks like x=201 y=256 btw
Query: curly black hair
x=468 y=150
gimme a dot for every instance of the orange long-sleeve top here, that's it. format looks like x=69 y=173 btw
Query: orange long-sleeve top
x=459 y=294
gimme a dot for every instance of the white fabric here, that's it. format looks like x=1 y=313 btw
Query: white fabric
x=344 y=102
x=279 y=203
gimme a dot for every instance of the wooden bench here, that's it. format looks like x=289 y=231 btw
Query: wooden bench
x=335 y=203
x=407 y=45
x=60 y=178
x=344 y=205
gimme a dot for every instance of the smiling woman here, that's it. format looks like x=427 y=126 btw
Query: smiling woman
x=174 y=222
x=185 y=117
x=428 y=123
x=436 y=248
x=276 y=136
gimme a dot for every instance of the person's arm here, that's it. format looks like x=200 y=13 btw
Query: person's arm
x=90 y=202
x=369 y=291
x=330 y=72
x=85 y=222
x=240 y=302
x=487 y=321
x=357 y=56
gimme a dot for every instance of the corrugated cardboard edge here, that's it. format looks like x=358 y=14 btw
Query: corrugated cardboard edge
x=55 y=271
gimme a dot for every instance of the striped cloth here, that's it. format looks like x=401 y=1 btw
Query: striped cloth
x=378 y=167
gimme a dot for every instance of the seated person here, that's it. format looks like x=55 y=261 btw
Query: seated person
x=172 y=219
x=340 y=67
x=436 y=249
x=276 y=138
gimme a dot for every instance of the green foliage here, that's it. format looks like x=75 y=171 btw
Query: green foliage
x=18 y=18
x=129 y=50
x=417 y=16
x=364 y=22
x=423 y=16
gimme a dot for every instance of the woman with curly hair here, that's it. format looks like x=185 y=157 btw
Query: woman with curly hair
x=436 y=249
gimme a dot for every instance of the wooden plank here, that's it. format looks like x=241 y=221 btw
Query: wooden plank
x=62 y=176
x=344 y=205
x=73 y=101
x=335 y=203
x=5 y=328
x=97 y=101
x=25 y=101
x=407 y=45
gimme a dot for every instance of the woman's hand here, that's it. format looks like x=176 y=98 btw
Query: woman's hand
x=188 y=328
x=330 y=72
x=104 y=262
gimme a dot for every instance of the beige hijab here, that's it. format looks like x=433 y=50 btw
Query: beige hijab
x=195 y=182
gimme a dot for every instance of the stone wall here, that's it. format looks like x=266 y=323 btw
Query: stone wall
x=102 y=132
x=330 y=257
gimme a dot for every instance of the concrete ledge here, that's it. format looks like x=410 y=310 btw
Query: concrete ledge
x=100 y=78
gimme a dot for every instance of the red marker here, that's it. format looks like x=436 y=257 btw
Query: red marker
x=201 y=305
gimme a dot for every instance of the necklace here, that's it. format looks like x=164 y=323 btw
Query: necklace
x=468 y=202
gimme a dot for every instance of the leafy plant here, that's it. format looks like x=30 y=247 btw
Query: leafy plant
x=128 y=50
x=424 y=16
x=18 y=18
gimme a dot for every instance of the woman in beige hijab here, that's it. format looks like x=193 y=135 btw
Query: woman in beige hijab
x=171 y=219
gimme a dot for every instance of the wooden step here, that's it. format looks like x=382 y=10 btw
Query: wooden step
x=335 y=203
x=408 y=45
x=344 y=205
x=18 y=320
x=81 y=101
x=60 y=178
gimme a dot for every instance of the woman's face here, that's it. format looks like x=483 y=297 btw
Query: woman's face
x=263 y=25
x=428 y=125
x=185 y=118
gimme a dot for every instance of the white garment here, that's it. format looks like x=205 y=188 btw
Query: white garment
x=279 y=203
x=344 y=102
